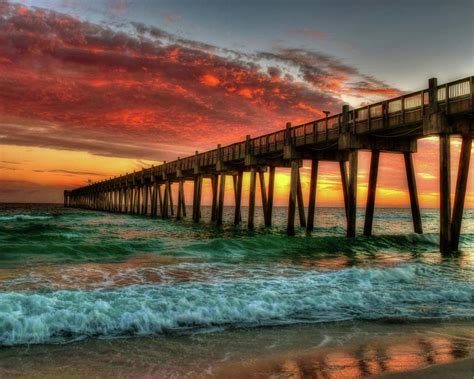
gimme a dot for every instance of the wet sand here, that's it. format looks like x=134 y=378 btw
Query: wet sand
x=337 y=350
x=461 y=369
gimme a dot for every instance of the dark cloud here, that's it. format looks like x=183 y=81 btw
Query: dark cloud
x=71 y=172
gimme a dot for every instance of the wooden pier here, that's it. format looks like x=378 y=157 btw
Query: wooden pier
x=390 y=126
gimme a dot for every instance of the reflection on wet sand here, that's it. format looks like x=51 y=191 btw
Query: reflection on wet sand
x=376 y=357
x=340 y=350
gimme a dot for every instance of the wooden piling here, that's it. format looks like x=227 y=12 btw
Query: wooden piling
x=460 y=194
x=352 y=194
x=344 y=184
x=271 y=189
x=371 y=191
x=214 y=189
x=220 y=208
x=290 y=228
x=238 y=198
x=312 y=195
x=195 y=190
x=414 y=204
x=160 y=200
x=165 y=213
x=154 y=199
x=170 y=194
x=235 y=184
x=299 y=197
x=145 y=200
x=183 y=200
x=253 y=179
x=198 y=191
x=263 y=192
x=180 y=203
x=445 y=193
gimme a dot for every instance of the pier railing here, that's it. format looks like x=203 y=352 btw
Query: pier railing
x=402 y=111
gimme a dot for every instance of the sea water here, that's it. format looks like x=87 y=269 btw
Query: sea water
x=68 y=274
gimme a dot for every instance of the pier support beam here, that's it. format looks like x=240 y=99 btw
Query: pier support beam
x=295 y=167
x=271 y=190
x=214 y=186
x=352 y=194
x=220 y=209
x=445 y=193
x=415 y=206
x=164 y=212
x=344 y=180
x=160 y=200
x=253 y=182
x=170 y=194
x=263 y=191
x=183 y=200
x=299 y=196
x=235 y=179
x=370 y=206
x=154 y=199
x=197 y=198
x=145 y=199
x=180 y=210
x=312 y=195
x=459 y=197
x=238 y=197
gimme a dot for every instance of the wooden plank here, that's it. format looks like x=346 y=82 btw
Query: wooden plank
x=312 y=195
x=460 y=194
x=370 y=206
x=412 y=190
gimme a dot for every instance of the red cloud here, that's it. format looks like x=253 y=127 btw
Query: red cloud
x=66 y=83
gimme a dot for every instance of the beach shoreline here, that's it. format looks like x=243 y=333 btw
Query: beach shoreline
x=344 y=350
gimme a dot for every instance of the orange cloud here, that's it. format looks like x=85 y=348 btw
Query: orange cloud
x=210 y=80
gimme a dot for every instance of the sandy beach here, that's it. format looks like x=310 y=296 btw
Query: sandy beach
x=340 y=350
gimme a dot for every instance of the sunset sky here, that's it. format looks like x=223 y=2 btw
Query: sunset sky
x=93 y=89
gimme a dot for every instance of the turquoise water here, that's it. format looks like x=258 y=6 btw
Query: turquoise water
x=68 y=274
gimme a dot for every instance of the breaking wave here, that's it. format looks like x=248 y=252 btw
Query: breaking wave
x=408 y=292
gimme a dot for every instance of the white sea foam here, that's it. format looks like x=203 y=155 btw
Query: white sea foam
x=23 y=217
x=405 y=292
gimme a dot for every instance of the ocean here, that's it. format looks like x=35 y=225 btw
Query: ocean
x=155 y=297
